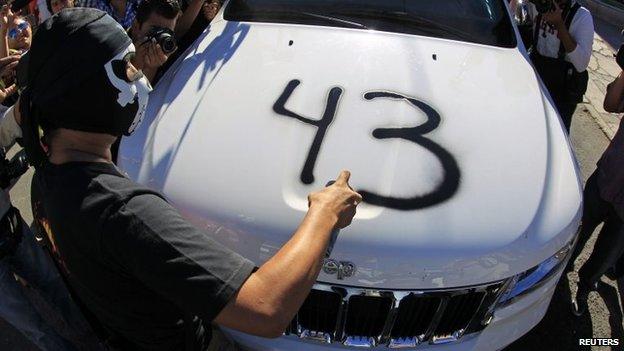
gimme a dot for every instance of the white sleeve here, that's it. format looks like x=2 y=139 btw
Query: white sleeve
x=582 y=31
x=9 y=129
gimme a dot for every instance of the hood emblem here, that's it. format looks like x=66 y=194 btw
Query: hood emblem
x=343 y=269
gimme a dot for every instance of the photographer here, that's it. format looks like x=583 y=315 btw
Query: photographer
x=604 y=203
x=153 y=36
x=149 y=277
x=561 y=49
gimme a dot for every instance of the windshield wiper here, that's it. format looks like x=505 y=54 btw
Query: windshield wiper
x=415 y=21
x=335 y=19
x=285 y=14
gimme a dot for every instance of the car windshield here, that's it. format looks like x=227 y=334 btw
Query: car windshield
x=477 y=21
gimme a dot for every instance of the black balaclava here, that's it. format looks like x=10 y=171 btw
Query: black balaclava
x=76 y=78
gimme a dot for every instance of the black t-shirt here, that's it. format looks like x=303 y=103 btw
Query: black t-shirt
x=132 y=260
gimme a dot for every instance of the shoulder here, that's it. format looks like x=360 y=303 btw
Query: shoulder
x=583 y=15
x=122 y=190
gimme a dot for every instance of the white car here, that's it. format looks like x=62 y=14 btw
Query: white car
x=472 y=197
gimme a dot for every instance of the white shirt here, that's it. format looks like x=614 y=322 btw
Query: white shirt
x=9 y=131
x=582 y=31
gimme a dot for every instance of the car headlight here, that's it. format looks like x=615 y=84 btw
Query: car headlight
x=532 y=279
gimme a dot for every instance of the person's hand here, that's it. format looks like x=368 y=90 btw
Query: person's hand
x=6 y=17
x=149 y=56
x=337 y=200
x=554 y=17
x=6 y=92
x=8 y=65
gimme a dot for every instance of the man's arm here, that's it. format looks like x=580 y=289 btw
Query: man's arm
x=615 y=95
x=269 y=299
x=156 y=245
x=188 y=17
x=5 y=19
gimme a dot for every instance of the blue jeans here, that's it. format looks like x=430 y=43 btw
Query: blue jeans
x=34 y=265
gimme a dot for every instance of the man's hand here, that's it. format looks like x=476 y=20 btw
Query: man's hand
x=149 y=56
x=5 y=93
x=8 y=65
x=272 y=295
x=6 y=17
x=555 y=17
x=337 y=200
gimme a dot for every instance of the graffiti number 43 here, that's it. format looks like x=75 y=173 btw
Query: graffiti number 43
x=443 y=191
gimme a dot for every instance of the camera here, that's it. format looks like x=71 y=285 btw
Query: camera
x=13 y=169
x=164 y=37
x=543 y=6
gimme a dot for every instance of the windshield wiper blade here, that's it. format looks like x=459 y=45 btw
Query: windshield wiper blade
x=335 y=19
x=419 y=22
x=277 y=13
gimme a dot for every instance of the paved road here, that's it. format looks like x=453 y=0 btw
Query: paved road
x=559 y=330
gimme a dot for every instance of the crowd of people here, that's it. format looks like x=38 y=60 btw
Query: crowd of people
x=121 y=251
x=183 y=21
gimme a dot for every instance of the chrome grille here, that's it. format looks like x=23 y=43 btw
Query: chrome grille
x=318 y=316
x=457 y=314
x=367 y=318
x=414 y=316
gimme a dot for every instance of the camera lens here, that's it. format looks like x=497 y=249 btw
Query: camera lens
x=168 y=44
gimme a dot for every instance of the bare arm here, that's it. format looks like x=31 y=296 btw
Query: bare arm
x=5 y=18
x=269 y=299
x=188 y=17
x=569 y=44
x=615 y=95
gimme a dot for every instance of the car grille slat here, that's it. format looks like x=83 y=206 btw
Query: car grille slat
x=414 y=316
x=458 y=313
x=366 y=315
x=319 y=312
x=398 y=319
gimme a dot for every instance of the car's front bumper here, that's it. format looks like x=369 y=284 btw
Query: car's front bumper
x=509 y=323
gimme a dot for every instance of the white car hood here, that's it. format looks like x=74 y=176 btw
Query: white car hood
x=219 y=147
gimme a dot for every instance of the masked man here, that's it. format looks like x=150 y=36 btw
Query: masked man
x=152 y=280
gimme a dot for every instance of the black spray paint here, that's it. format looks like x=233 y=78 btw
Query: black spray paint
x=450 y=182
x=442 y=192
x=307 y=174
